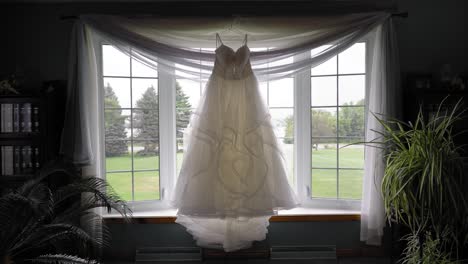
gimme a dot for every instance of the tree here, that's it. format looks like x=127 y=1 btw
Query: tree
x=352 y=120
x=183 y=111
x=115 y=133
x=146 y=118
x=289 y=130
x=323 y=126
x=146 y=121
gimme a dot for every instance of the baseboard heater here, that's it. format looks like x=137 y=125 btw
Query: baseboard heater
x=257 y=252
x=283 y=254
x=321 y=254
x=148 y=255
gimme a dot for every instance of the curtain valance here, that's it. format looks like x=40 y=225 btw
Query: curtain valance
x=176 y=45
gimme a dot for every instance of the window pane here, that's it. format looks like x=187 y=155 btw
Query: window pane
x=146 y=125
x=117 y=155
x=281 y=93
x=287 y=146
x=351 y=156
x=324 y=183
x=116 y=124
x=117 y=92
x=288 y=137
x=279 y=118
x=326 y=68
x=263 y=86
x=351 y=121
x=324 y=153
x=188 y=93
x=114 y=62
x=179 y=158
x=327 y=93
x=146 y=185
x=353 y=60
x=323 y=122
x=352 y=90
x=146 y=155
x=121 y=183
x=350 y=184
x=323 y=91
x=141 y=70
x=182 y=120
x=145 y=93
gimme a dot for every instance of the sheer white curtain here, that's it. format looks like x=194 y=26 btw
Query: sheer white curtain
x=82 y=134
x=383 y=94
x=167 y=45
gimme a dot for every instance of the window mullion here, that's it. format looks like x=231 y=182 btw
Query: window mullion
x=131 y=126
x=167 y=133
x=302 y=131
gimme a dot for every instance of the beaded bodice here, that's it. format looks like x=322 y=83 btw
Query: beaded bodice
x=231 y=64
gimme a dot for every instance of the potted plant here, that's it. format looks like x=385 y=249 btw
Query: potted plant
x=424 y=185
x=48 y=223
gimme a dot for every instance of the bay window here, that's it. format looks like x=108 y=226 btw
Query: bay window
x=316 y=115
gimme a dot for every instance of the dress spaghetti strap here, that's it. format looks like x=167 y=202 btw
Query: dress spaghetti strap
x=218 y=40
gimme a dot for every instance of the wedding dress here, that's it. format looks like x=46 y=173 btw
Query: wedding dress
x=233 y=177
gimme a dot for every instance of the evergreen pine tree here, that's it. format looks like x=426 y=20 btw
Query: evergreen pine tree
x=183 y=112
x=146 y=118
x=146 y=121
x=115 y=133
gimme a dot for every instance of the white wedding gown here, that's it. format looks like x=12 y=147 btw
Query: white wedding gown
x=233 y=177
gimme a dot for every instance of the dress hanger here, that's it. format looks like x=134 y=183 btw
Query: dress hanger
x=232 y=29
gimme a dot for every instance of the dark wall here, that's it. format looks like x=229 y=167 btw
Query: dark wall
x=435 y=33
x=127 y=238
x=34 y=42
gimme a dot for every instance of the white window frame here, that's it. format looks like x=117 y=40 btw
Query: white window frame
x=302 y=139
x=303 y=144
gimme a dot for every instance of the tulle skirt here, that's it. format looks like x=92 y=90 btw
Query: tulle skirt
x=233 y=175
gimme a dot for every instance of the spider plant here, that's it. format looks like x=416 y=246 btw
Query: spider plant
x=42 y=223
x=424 y=186
x=430 y=253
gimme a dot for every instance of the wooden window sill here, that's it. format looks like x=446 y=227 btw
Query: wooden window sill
x=294 y=215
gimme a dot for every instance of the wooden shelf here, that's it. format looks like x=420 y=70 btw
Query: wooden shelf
x=13 y=99
x=21 y=141
x=19 y=135
x=19 y=146
x=17 y=178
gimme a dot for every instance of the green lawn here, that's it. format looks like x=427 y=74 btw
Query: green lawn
x=325 y=174
x=324 y=180
x=146 y=182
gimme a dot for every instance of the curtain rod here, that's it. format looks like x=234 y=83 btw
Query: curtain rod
x=73 y=17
